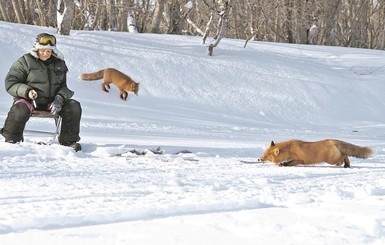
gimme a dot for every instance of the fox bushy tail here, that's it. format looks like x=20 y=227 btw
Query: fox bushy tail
x=92 y=76
x=354 y=150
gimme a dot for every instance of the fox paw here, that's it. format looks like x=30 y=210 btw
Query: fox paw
x=285 y=163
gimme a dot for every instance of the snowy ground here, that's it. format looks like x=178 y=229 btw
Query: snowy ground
x=225 y=109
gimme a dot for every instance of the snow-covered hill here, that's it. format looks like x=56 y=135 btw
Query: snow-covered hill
x=224 y=109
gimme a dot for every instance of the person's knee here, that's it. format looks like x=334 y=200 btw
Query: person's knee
x=73 y=107
x=20 y=112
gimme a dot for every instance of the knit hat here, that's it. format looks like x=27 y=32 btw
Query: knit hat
x=46 y=41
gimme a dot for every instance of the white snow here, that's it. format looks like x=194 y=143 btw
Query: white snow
x=224 y=109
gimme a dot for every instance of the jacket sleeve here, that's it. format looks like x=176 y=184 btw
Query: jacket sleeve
x=16 y=79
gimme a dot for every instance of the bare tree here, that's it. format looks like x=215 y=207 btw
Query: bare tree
x=122 y=15
x=18 y=12
x=40 y=13
x=64 y=26
x=142 y=12
x=222 y=26
x=94 y=13
x=377 y=26
x=330 y=22
x=4 y=12
x=157 y=16
x=111 y=15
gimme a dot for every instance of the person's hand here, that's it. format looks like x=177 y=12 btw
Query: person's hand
x=56 y=105
x=32 y=94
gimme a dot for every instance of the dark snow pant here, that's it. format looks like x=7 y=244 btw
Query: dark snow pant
x=19 y=114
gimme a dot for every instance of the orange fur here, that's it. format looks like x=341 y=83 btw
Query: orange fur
x=294 y=152
x=111 y=75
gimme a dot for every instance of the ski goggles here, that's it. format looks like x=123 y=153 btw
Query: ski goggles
x=46 y=39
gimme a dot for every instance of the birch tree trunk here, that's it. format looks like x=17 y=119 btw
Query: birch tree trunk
x=223 y=24
x=206 y=33
x=131 y=22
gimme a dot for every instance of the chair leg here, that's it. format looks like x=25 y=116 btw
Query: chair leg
x=58 y=126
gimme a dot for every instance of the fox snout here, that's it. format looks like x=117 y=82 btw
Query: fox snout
x=261 y=160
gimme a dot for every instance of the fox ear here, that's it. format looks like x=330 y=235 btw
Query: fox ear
x=276 y=151
x=272 y=144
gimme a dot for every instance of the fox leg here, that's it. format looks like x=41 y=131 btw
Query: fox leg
x=289 y=163
x=347 y=162
x=344 y=160
x=106 y=86
x=339 y=163
x=123 y=95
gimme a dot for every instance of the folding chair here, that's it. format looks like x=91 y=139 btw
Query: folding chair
x=47 y=114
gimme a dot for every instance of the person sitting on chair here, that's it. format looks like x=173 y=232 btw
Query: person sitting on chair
x=38 y=81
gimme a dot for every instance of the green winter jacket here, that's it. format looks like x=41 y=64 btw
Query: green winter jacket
x=47 y=78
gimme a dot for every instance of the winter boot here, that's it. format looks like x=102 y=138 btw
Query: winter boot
x=74 y=145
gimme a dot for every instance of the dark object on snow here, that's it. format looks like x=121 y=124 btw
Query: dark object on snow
x=182 y=152
x=157 y=151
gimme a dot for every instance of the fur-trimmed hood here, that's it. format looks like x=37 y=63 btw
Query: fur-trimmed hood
x=55 y=51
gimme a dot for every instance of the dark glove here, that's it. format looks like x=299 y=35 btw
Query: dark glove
x=56 y=105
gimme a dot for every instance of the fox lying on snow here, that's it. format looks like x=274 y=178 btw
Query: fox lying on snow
x=111 y=75
x=295 y=152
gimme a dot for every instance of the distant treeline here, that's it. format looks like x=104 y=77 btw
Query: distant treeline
x=348 y=23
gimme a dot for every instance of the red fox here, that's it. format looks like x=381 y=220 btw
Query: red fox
x=111 y=75
x=294 y=152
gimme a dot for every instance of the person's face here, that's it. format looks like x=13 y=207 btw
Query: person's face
x=44 y=54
